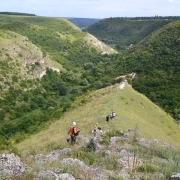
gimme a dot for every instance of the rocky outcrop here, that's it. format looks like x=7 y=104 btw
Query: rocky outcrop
x=148 y=143
x=91 y=40
x=52 y=156
x=65 y=167
x=131 y=76
x=175 y=176
x=94 y=143
x=49 y=174
x=10 y=165
x=94 y=173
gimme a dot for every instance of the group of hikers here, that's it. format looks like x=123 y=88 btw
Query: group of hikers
x=73 y=132
x=110 y=116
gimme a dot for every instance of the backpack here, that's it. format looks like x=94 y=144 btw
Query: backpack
x=77 y=133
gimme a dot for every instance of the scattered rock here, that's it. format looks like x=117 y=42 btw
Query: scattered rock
x=114 y=139
x=53 y=176
x=94 y=174
x=10 y=165
x=52 y=156
x=65 y=176
x=129 y=162
x=123 y=153
x=94 y=143
x=175 y=176
x=146 y=142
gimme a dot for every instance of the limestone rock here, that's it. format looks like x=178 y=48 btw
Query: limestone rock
x=10 y=165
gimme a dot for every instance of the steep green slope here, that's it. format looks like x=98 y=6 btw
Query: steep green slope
x=59 y=24
x=122 y=32
x=133 y=111
x=157 y=64
x=59 y=38
x=42 y=64
x=155 y=60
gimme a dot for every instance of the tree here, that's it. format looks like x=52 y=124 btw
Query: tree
x=2 y=114
x=62 y=90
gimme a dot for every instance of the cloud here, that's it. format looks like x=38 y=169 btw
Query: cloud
x=170 y=0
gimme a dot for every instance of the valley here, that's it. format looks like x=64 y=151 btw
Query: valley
x=53 y=73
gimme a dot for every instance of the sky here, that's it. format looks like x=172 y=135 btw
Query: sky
x=93 y=8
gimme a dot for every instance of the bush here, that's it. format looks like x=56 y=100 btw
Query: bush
x=147 y=168
x=109 y=163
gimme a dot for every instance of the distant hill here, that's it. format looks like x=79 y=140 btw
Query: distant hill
x=17 y=13
x=83 y=23
x=120 y=33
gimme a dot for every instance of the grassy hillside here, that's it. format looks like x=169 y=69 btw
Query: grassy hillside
x=34 y=46
x=42 y=62
x=48 y=68
x=120 y=33
x=133 y=110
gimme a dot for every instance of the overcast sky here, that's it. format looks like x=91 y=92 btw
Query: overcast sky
x=93 y=8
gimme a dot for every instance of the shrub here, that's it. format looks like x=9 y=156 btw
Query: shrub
x=147 y=168
x=109 y=163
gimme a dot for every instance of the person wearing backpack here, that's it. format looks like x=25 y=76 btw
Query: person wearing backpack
x=73 y=133
x=107 y=118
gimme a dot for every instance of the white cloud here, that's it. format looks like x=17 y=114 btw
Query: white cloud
x=171 y=0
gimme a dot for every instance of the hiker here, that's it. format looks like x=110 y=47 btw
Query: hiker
x=97 y=131
x=113 y=114
x=96 y=125
x=94 y=131
x=107 y=118
x=72 y=132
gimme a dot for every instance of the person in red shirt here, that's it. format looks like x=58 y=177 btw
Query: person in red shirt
x=72 y=132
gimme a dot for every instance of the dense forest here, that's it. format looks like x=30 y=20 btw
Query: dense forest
x=120 y=33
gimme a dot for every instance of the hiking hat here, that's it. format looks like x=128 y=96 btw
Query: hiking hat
x=74 y=123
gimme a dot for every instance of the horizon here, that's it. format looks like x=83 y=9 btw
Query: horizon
x=14 y=13
x=98 y=9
